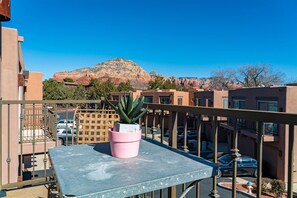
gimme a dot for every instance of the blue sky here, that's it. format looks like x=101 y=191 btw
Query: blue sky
x=174 y=38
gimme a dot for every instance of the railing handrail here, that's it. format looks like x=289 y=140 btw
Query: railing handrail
x=49 y=101
x=254 y=115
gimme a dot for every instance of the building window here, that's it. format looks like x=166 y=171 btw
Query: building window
x=164 y=99
x=239 y=104
x=115 y=98
x=180 y=100
x=197 y=102
x=225 y=103
x=269 y=128
x=148 y=99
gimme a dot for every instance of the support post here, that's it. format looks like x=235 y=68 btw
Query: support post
x=259 y=157
x=291 y=160
x=214 y=193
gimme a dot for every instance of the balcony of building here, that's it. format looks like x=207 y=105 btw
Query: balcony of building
x=25 y=142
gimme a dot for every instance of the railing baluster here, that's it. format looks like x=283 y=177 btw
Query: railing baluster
x=45 y=114
x=214 y=192
x=162 y=126
x=173 y=144
x=198 y=125
x=291 y=160
x=145 y=128
x=153 y=128
x=259 y=126
x=185 y=146
x=21 y=140
x=55 y=122
x=33 y=142
x=235 y=155
x=8 y=160
x=66 y=140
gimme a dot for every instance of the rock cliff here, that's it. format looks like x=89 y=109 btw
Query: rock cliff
x=118 y=69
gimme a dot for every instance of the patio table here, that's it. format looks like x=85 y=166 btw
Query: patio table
x=91 y=171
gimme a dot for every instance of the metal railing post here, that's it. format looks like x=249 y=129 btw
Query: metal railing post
x=198 y=125
x=173 y=144
x=162 y=126
x=146 y=123
x=259 y=157
x=185 y=146
x=214 y=192
x=21 y=140
x=291 y=160
x=235 y=155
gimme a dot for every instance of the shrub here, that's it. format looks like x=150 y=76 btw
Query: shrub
x=278 y=187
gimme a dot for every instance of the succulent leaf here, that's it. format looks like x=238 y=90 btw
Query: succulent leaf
x=129 y=104
x=129 y=110
x=140 y=115
x=123 y=115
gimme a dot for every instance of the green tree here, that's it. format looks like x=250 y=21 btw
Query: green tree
x=54 y=90
x=80 y=93
x=156 y=83
x=160 y=83
x=168 y=84
x=68 y=80
x=125 y=86
x=100 y=89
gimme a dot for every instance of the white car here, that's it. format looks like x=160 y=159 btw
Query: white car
x=62 y=124
x=62 y=133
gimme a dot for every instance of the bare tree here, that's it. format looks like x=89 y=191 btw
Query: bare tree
x=247 y=76
x=221 y=79
x=257 y=75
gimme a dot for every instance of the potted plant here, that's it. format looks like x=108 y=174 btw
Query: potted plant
x=125 y=136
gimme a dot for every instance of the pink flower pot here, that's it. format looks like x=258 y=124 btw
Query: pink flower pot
x=124 y=144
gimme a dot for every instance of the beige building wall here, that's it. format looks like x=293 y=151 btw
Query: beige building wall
x=34 y=86
x=10 y=67
x=172 y=93
x=275 y=150
x=119 y=94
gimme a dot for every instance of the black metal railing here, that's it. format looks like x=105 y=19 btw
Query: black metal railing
x=43 y=116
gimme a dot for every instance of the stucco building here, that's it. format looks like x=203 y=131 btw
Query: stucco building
x=275 y=148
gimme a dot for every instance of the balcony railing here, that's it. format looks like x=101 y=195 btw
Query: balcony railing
x=13 y=126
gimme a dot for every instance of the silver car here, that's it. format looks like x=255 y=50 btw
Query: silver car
x=62 y=134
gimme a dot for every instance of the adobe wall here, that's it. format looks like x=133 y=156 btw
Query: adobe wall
x=9 y=90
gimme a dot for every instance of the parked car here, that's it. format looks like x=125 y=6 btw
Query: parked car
x=63 y=122
x=180 y=130
x=63 y=133
x=245 y=165
x=191 y=139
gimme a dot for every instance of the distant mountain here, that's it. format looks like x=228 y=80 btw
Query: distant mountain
x=118 y=69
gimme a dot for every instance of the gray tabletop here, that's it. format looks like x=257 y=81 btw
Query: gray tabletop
x=90 y=171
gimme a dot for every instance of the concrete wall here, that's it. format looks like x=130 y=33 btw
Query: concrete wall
x=9 y=90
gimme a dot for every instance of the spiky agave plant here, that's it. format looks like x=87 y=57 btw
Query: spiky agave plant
x=129 y=110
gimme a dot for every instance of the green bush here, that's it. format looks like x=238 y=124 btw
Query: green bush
x=266 y=185
x=278 y=187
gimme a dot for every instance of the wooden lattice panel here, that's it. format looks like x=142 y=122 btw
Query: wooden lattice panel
x=92 y=125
